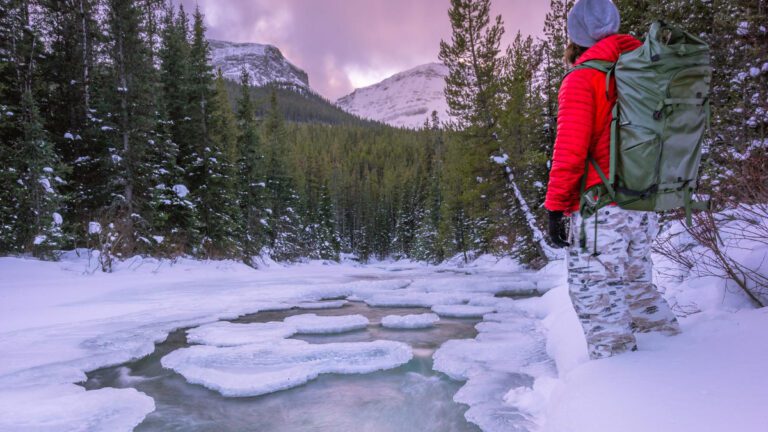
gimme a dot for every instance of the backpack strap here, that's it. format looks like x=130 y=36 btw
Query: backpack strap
x=607 y=68
x=603 y=66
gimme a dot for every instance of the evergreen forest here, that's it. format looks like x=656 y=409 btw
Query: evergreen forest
x=117 y=135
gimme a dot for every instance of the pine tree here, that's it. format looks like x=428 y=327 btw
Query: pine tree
x=553 y=64
x=199 y=154
x=30 y=206
x=219 y=197
x=176 y=213
x=251 y=173
x=129 y=125
x=40 y=202
x=72 y=30
x=282 y=202
x=427 y=246
x=521 y=124
x=474 y=101
x=473 y=63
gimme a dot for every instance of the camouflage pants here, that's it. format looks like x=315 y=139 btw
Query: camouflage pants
x=612 y=291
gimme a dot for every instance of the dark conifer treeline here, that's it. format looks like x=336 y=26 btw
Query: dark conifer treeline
x=117 y=135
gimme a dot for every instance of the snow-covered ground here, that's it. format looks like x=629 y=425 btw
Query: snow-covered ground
x=712 y=377
x=526 y=369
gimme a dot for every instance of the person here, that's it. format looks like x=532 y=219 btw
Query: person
x=611 y=285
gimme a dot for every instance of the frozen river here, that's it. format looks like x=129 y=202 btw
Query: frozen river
x=411 y=397
x=217 y=346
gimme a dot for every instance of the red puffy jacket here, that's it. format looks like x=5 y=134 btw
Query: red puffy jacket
x=583 y=125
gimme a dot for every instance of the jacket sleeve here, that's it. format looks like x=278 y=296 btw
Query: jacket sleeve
x=575 y=118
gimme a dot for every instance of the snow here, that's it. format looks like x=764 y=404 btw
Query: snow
x=500 y=160
x=71 y=408
x=69 y=136
x=743 y=28
x=416 y=299
x=711 y=377
x=57 y=219
x=264 y=63
x=412 y=321
x=508 y=352
x=314 y=324
x=180 y=190
x=94 y=228
x=405 y=99
x=46 y=184
x=253 y=370
x=527 y=368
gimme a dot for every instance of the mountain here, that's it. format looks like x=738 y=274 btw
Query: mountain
x=405 y=99
x=265 y=63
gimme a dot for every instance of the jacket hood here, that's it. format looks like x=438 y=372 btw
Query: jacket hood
x=610 y=48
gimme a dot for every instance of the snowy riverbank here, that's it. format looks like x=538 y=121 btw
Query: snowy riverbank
x=525 y=370
x=710 y=378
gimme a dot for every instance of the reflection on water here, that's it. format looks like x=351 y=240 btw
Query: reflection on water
x=411 y=397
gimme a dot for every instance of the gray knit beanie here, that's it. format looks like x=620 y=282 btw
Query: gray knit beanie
x=591 y=20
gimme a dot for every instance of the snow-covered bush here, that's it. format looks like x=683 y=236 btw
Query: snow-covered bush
x=732 y=241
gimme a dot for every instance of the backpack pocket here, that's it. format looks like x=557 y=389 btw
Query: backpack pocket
x=638 y=159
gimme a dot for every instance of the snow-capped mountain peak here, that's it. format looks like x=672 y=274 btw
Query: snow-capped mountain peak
x=405 y=99
x=264 y=63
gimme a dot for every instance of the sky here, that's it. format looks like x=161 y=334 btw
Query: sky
x=348 y=44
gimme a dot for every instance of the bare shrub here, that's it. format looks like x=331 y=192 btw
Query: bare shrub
x=726 y=237
x=737 y=227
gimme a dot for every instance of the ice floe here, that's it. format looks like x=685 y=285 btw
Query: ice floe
x=252 y=370
x=332 y=304
x=231 y=334
x=414 y=321
x=508 y=352
x=462 y=311
x=315 y=324
x=417 y=299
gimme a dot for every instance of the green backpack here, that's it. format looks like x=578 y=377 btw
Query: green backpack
x=659 y=122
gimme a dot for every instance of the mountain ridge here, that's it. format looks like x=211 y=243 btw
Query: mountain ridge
x=405 y=99
x=265 y=63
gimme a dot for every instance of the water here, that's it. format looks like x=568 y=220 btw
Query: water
x=411 y=397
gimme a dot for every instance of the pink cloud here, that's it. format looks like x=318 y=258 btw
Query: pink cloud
x=331 y=38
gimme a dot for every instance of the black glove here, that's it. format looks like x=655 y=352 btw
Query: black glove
x=558 y=235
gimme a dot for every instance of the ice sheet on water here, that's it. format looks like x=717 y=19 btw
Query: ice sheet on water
x=71 y=408
x=508 y=352
x=360 y=290
x=497 y=347
x=462 y=311
x=252 y=370
x=414 y=321
x=225 y=333
x=485 y=394
x=332 y=304
x=417 y=299
x=475 y=284
x=315 y=324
